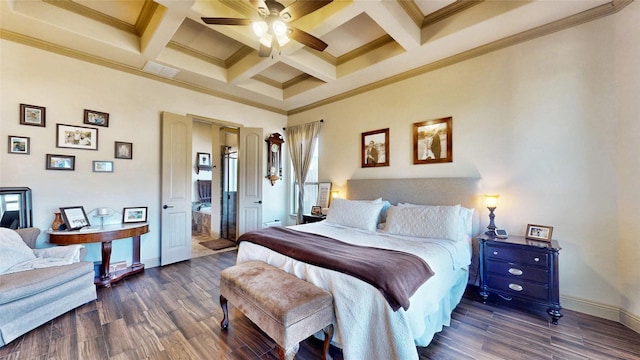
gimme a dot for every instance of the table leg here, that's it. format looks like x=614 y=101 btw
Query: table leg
x=136 y=253
x=106 y=258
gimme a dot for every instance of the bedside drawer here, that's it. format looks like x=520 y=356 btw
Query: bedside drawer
x=528 y=257
x=517 y=271
x=517 y=287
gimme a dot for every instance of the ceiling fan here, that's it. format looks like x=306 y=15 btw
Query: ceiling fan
x=271 y=25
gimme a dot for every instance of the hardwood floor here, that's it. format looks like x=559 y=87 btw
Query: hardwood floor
x=173 y=313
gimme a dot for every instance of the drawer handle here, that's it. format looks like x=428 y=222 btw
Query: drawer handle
x=536 y=259
x=515 y=287
x=514 y=271
x=495 y=253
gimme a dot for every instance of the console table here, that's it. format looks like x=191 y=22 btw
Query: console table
x=105 y=234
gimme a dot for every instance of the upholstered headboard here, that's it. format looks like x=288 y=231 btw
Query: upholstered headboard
x=204 y=190
x=426 y=191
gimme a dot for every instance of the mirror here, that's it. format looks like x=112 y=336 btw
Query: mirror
x=15 y=207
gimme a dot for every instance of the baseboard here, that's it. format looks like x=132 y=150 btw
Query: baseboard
x=589 y=307
x=630 y=320
x=151 y=263
x=608 y=312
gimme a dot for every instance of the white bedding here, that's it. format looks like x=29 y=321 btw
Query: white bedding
x=366 y=326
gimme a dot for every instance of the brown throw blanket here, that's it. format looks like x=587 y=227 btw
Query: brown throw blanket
x=396 y=274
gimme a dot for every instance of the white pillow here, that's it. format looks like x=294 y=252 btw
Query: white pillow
x=13 y=250
x=465 y=220
x=383 y=212
x=357 y=214
x=440 y=222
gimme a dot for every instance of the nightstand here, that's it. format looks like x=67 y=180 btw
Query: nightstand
x=522 y=269
x=307 y=219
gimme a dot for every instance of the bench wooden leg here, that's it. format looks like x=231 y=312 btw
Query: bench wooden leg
x=287 y=354
x=328 y=335
x=225 y=320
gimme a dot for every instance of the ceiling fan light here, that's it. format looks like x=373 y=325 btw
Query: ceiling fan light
x=259 y=28
x=282 y=40
x=279 y=28
x=266 y=40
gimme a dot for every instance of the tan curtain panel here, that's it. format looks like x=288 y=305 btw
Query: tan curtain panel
x=302 y=140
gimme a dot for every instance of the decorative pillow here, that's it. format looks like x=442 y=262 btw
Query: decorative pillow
x=383 y=213
x=13 y=250
x=465 y=220
x=440 y=222
x=357 y=214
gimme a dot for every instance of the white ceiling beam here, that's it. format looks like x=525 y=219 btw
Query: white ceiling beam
x=391 y=17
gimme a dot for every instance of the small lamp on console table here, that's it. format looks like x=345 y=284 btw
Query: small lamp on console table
x=491 y=201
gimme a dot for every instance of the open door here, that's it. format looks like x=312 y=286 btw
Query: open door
x=250 y=180
x=175 y=235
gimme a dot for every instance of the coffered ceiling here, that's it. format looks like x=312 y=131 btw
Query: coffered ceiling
x=371 y=42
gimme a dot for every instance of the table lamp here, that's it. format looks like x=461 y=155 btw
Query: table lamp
x=491 y=201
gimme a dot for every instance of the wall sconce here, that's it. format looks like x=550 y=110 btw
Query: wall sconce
x=335 y=194
x=491 y=201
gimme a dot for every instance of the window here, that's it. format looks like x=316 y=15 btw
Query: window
x=310 y=185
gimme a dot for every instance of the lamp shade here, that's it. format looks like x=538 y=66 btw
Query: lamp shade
x=491 y=200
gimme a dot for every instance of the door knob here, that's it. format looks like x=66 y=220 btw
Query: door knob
x=166 y=206
x=258 y=202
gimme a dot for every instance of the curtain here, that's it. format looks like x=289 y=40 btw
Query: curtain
x=302 y=140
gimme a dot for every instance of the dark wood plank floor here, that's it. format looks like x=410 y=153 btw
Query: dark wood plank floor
x=173 y=313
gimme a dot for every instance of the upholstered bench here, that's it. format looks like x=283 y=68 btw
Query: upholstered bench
x=285 y=307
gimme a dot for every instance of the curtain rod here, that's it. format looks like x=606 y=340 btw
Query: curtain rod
x=321 y=120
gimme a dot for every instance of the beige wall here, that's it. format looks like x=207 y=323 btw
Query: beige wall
x=537 y=122
x=66 y=87
x=628 y=109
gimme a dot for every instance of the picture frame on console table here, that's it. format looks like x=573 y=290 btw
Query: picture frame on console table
x=539 y=232
x=74 y=217
x=131 y=215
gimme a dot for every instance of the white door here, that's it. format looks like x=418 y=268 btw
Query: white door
x=175 y=235
x=250 y=179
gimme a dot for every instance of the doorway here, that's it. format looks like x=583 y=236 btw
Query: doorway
x=229 y=185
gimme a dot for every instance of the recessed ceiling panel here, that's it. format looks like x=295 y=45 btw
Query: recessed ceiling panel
x=429 y=6
x=281 y=72
x=205 y=40
x=127 y=11
x=351 y=35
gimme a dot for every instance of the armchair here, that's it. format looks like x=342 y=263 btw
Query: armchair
x=31 y=298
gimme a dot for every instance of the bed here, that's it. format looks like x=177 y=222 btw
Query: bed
x=367 y=327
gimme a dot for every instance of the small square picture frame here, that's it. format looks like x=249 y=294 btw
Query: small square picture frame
x=136 y=214
x=123 y=150
x=75 y=218
x=60 y=162
x=102 y=166
x=96 y=118
x=33 y=115
x=539 y=232
x=316 y=210
x=204 y=159
x=19 y=145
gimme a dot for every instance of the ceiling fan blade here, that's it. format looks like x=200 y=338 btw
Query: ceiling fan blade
x=226 y=21
x=307 y=39
x=301 y=8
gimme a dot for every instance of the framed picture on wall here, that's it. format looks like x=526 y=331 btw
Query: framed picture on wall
x=33 y=115
x=324 y=194
x=61 y=162
x=76 y=137
x=375 y=148
x=432 y=141
x=18 y=145
x=96 y=118
x=102 y=166
x=124 y=150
